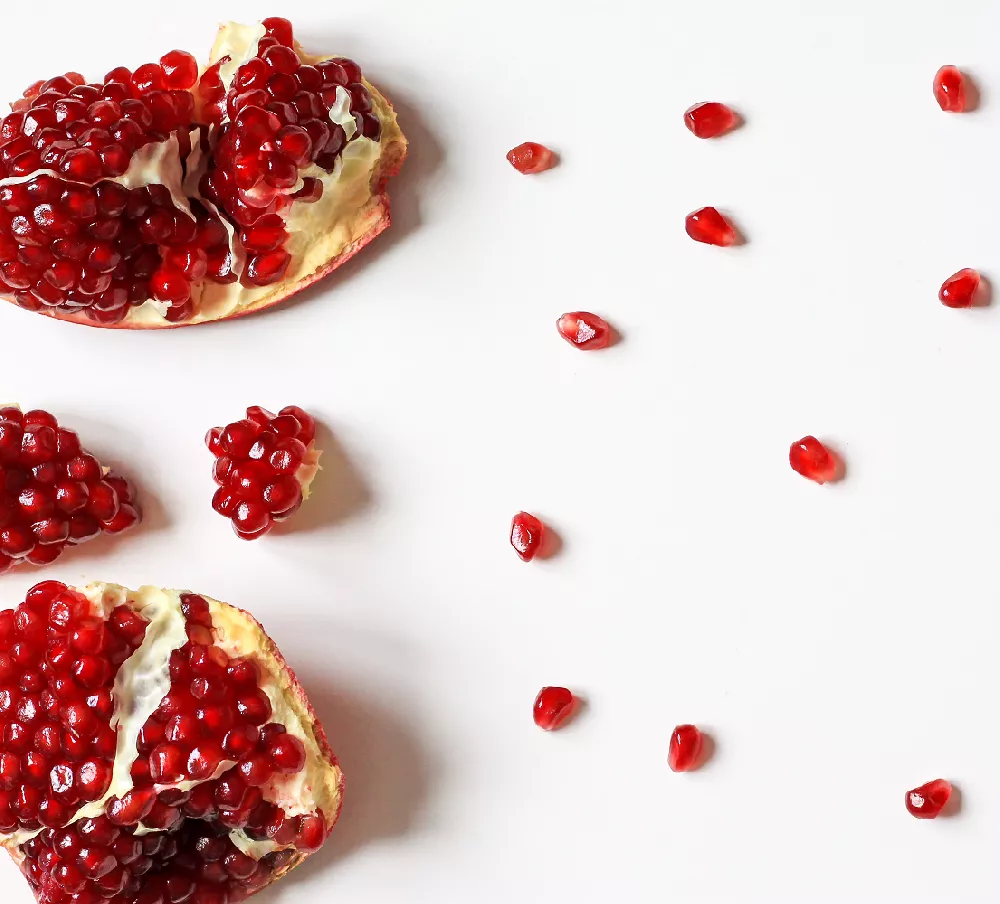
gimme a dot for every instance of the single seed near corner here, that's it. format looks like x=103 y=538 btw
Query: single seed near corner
x=553 y=706
x=810 y=458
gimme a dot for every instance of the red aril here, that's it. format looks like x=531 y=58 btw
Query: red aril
x=553 y=707
x=810 y=458
x=584 y=330
x=927 y=801
x=949 y=89
x=530 y=157
x=684 y=753
x=710 y=227
x=709 y=120
x=156 y=801
x=526 y=535
x=959 y=290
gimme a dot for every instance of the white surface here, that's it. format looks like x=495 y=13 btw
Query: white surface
x=839 y=642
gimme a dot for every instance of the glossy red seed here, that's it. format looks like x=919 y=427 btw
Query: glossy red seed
x=584 y=330
x=959 y=290
x=685 y=749
x=530 y=157
x=180 y=69
x=927 y=801
x=709 y=120
x=526 y=535
x=710 y=227
x=553 y=706
x=949 y=89
x=810 y=458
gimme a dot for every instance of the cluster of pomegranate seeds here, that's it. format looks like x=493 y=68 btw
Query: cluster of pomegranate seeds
x=684 y=753
x=709 y=120
x=531 y=157
x=710 y=227
x=584 y=330
x=53 y=492
x=258 y=462
x=526 y=535
x=810 y=458
x=928 y=800
x=553 y=706
x=58 y=662
x=274 y=123
x=949 y=89
x=959 y=290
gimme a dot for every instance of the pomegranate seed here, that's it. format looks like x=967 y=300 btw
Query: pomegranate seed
x=959 y=290
x=526 y=535
x=810 y=458
x=709 y=120
x=927 y=801
x=180 y=70
x=584 y=330
x=531 y=157
x=710 y=227
x=949 y=89
x=553 y=706
x=685 y=748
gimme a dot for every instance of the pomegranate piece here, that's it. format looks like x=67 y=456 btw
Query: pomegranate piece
x=553 y=707
x=927 y=801
x=710 y=227
x=264 y=465
x=810 y=458
x=959 y=290
x=584 y=330
x=55 y=494
x=709 y=120
x=949 y=89
x=531 y=157
x=526 y=535
x=685 y=749
x=147 y=788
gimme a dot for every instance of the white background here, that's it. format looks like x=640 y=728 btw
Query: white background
x=839 y=642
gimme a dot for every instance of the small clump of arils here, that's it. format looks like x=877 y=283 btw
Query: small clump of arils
x=959 y=290
x=584 y=330
x=927 y=801
x=686 y=745
x=263 y=465
x=531 y=157
x=949 y=89
x=709 y=120
x=526 y=535
x=810 y=458
x=54 y=494
x=553 y=707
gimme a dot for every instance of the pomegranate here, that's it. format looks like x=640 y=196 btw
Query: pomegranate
x=154 y=748
x=949 y=89
x=526 y=535
x=158 y=198
x=54 y=493
x=684 y=752
x=810 y=458
x=927 y=801
x=959 y=290
x=531 y=157
x=584 y=330
x=553 y=707
x=264 y=465
x=709 y=120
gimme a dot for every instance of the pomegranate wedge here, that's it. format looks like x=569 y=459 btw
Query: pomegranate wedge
x=155 y=747
x=164 y=197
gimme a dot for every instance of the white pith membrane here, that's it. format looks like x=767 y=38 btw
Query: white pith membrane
x=144 y=679
x=318 y=231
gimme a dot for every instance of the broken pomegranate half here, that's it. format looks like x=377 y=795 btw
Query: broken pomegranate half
x=158 y=198
x=264 y=465
x=53 y=492
x=154 y=748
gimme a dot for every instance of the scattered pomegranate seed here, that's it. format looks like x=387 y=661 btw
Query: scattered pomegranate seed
x=959 y=290
x=709 y=226
x=709 y=120
x=810 y=458
x=685 y=748
x=526 y=535
x=553 y=706
x=927 y=801
x=949 y=89
x=531 y=157
x=584 y=330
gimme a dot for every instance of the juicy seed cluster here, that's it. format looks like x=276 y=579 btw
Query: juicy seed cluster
x=275 y=123
x=58 y=662
x=261 y=464
x=53 y=493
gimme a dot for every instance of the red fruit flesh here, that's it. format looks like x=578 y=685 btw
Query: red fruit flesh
x=531 y=157
x=77 y=244
x=949 y=89
x=526 y=535
x=155 y=840
x=927 y=801
x=553 y=707
x=959 y=290
x=584 y=330
x=709 y=120
x=810 y=458
x=685 y=749
x=54 y=493
x=263 y=466
x=710 y=227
